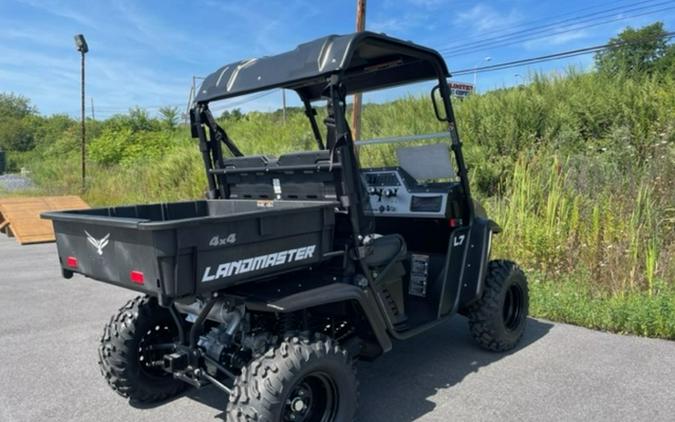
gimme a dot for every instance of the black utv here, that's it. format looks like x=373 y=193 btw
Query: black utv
x=296 y=266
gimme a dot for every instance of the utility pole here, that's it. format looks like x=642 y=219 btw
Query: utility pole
x=81 y=46
x=93 y=116
x=283 y=102
x=356 y=106
x=191 y=96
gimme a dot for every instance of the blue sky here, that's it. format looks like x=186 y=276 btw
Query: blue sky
x=145 y=52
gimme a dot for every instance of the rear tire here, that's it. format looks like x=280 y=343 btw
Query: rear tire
x=124 y=357
x=300 y=380
x=497 y=321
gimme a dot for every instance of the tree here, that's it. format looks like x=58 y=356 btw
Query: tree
x=235 y=114
x=15 y=106
x=169 y=116
x=140 y=119
x=17 y=126
x=641 y=50
x=137 y=120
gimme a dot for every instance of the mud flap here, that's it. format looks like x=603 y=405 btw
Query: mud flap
x=465 y=267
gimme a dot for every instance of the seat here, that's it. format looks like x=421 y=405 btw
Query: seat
x=385 y=249
x=304 y=158
x=385 y=260
x=294 y=176
x=248 y=162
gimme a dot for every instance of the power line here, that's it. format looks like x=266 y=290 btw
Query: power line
x=614 y=12
x=528 y=37
x=556 y=56
x=244 y=100
x=248 y=100
x=526 y=24
x=550 y=34
x=576 y=20
x=460 y=72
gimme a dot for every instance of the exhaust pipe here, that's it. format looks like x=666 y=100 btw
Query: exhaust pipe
x=219 y=313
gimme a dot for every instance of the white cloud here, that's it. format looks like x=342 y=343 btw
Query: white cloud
x=32 y=35
x=403 y=25
x=150 y=31
x=557 y=39
x=389 y=25
x=483 y=18
x=266 y=24
x=429 y=4
x=60 y=9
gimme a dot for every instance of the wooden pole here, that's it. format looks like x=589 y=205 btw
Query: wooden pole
x=83 y=146
x=356 y=106
x=283 y=103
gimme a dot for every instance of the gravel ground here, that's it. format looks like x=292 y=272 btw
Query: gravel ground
x=51 y=327
x=15 y=182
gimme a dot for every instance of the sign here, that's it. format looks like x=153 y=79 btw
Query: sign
x=460 y=89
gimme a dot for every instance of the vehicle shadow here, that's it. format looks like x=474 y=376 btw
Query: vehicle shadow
x=416 y=369
x=413 y=372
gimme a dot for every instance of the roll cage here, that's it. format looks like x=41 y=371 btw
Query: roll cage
x=329 y=68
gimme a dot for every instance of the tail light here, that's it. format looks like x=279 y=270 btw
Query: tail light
x=137 y=277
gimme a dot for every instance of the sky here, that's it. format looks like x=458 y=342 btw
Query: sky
x=145 y=53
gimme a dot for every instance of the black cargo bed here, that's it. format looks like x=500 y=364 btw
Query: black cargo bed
x=185 y=248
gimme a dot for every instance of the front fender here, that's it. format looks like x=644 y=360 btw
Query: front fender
x=480 y=212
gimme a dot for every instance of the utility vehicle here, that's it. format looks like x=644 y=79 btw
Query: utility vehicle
x=296 y=266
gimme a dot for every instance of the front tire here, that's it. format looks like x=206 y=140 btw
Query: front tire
x=300 y=380
x=126 y=358
x=497 y=321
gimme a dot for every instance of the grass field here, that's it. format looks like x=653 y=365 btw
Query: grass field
x=579 y=170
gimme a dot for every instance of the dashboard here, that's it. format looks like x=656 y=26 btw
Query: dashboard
x=394 y=193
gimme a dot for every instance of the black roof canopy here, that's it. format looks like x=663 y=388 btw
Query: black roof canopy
x=364 y=60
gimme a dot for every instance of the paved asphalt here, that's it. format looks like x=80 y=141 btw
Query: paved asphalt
x=14 y=182
x=50 y=329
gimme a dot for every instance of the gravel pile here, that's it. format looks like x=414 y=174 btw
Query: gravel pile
x=14 y=182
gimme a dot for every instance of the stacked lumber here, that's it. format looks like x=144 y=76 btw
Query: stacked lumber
x=20 y=216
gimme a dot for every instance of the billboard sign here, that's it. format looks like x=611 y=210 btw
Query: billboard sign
x=460 y=89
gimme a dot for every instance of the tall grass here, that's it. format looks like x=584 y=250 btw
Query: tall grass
x=621 y=240
x=579 y=169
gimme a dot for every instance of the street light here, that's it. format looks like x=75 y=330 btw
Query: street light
x=83 y=48
x=475 y=71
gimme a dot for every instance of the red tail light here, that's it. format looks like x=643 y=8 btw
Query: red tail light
x=71 y=261
x=137 y=277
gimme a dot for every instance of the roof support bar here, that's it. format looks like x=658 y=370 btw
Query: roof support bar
x=456 y=144
x=310 y=112
x=204 y=147
x=349 y=187
x=220 y=134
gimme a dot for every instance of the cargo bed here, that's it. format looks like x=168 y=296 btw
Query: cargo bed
x=185 y=248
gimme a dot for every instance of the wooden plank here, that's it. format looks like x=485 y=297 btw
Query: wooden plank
x=66 y=203
x=22 y=216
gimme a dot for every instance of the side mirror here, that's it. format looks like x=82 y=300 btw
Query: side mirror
x=437 y=97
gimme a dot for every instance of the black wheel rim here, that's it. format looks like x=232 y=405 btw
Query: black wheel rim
x=513 y=307
x=152 y=347
x=313 y=399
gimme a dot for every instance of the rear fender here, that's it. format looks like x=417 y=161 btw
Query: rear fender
x=332 y=294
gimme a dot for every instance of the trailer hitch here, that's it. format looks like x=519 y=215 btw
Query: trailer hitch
x=185 y=361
